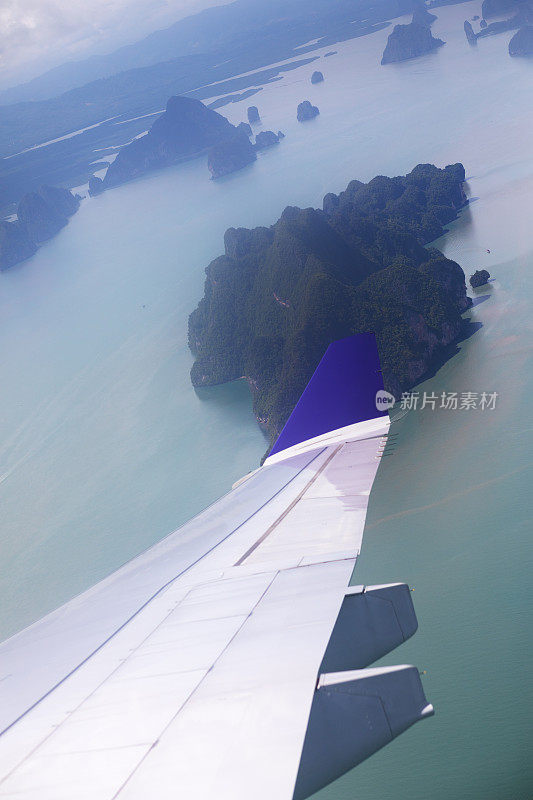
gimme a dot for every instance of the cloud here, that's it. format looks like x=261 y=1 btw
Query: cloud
x=38 y=34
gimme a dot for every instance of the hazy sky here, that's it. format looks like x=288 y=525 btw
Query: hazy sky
x=38 y=34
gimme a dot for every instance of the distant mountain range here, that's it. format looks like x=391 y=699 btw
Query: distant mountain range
x=221 y=28
x=225 y=51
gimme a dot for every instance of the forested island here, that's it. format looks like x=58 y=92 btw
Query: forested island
x=306 y=110
x=479 y=278
x=409 y=41
x=522 y=42
x=187 y=129
x=519 y=21
x=522 y=19
x=40 y=215
x=421 y=16
x=279 y=295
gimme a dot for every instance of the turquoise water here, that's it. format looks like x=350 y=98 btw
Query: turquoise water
x=105 y=447
x=451 y=514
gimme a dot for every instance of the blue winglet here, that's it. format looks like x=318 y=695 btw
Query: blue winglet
x=341 y=392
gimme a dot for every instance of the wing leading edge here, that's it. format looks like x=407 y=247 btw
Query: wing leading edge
x=219 y=662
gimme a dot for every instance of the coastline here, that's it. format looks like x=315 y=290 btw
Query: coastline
x=407 y=289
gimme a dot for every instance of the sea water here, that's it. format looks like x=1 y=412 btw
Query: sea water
x=105 y=447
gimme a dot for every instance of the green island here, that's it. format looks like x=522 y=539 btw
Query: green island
x=279 y=295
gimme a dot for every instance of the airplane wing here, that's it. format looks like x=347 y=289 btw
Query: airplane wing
x=231 y=660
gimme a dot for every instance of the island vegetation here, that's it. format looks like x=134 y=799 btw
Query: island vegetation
x=306 y=110
x=469 y=32
x=187 y=129
x=40 y=215
x=245 y=128
x=422 y=16
x=230 y=155
x=95 y=186
x=267 y=139
x=279 y=295
x=522 y=42
x=521 y=19
x=479 y=278
x=410 y=41
x=253 y=115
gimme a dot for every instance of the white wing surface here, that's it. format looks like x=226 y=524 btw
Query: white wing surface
x=230 y=660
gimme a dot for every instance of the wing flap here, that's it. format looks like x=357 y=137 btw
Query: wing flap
x=354 y=714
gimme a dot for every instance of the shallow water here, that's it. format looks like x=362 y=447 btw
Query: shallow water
x=451 y=514
x=105 y=447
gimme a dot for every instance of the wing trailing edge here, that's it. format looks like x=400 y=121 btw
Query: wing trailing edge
x=357 y=710
x=353 y=715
